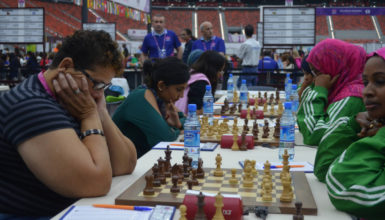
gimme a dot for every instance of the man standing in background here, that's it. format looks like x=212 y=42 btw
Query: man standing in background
x=249 y=52
x=208 y=41
x=160 y=43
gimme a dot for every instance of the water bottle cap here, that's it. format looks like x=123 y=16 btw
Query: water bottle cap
x=288 y=105
x=208 y=87
x=192 y=107
x=294 y=87
x=287 y=75
x=243 y=81
x=230 y=75
x=289 y=80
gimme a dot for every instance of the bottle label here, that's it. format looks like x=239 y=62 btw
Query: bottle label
x=208 y=106
x=287 y=133
x=230 y=86
x=192 y=138
x=243 y=96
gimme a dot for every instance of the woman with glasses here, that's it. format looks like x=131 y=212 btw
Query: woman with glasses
x=205 y=71
x=331 y=100
x=148 y=115
x=58 y=142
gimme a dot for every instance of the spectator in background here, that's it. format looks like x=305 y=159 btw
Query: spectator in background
x=125 y=51
x=297 y=58
x=43 y=62
x=208 y=41
x=160 y=43
x=288 y=62
x=205 y=71
x=32 y=66
x=14 y=66
x=267 y=63
x=189 y=39
x=249 y=52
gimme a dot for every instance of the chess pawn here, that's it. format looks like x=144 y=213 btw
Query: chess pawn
x=183 y=212
x=233 y=180
x=218 y=205
x=235 y=146
x=266 y=169
x=243 y=146
x=218 y=172
x=175 y=188
x=200 y=171
x=200 y=214
x=298 y=215
x=272 y=109
x=266 y=191
x=247 y=177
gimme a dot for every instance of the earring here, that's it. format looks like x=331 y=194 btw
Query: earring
x=159 y=89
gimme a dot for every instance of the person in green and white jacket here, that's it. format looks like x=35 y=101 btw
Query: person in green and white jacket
x=356 y=180
x=332 y=100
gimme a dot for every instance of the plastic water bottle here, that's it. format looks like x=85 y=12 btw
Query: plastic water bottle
x=208 y=104
x=288 y=88
x=192 y=135
x=287 y=78
x=286 y=139
x=230 y=88
x=294 y=100
x=243 y=95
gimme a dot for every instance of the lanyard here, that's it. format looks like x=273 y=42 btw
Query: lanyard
x=164 y=41
x=212 y=45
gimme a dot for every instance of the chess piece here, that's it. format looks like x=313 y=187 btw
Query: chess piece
x=183 y=212
x=235 y=146
x=149 y=190
x=155 y=170
x=189 y=184
x=280 y=108
x=218 y=205
x=272 y=111
x=248 y=113
x=265 y=107
x=265 y=95
x=266 y=169
x=233 y=108
x=267 y=189
x=265 y=133
x=253 y=170
x=200 y=171
x=247 y=177
x=223 y=110
x=277 y=129
x=233 y=180
x=194 y=177
x=218 y=172
x=161 y=176
x=175 y=188
x=175 y=170
x=287 y=192
x=259 y=95
x=226 y=105
x=254 y=114
x=167 y=164
x=245 y=128
x=185 y=158
x=243 y=146
x=298 y=215
x=277 y=98
x=200 y=214
x=239 y=107
x=180 y=174
x=185 y=170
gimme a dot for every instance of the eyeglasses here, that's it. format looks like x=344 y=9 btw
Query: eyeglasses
x=98 y=85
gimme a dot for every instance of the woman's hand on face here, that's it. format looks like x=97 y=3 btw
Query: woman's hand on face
x=73 y=97
x=326 y=81
x=369 y=127
x=307 y=80
x=172 y=116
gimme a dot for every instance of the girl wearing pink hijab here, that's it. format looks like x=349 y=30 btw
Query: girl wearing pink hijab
x=356 y=180
x=328 y=104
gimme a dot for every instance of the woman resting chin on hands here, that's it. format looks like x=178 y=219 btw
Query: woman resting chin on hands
x=58 y=141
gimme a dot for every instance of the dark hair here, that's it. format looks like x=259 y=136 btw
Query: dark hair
x=305 y=65
x=170 y=70
x=301 y=53
x=189 y=33
x=209 y=63
x=90 y=49
x=267 y=53
x=249 y=30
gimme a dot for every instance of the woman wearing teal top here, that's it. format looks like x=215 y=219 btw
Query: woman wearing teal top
x=148 y=115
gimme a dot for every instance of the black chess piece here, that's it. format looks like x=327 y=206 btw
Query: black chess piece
x=200 y=171
x=175 y=188
x=148 y=190
x=243 y=146
x=261 y=212
x=298 y=215
x=155 y=173
x=167 y=164
x=200 y=214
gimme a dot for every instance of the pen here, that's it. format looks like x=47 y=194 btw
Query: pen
x=126 y=207
x=291 y=166
x=177 y=145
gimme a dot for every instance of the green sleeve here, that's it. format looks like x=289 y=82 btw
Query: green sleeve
x=356 y=180
x=335 y=140
x=182 y=118
x=314 y=122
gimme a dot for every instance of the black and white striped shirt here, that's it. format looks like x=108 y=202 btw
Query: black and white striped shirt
x=25 y=112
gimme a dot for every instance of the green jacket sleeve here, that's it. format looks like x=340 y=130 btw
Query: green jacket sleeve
x=315 y=123
x=335 y=140
x=356 y=180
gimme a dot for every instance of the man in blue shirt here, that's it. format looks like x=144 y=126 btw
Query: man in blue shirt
x=208 y=41
x=267 y=63
x=160 y=43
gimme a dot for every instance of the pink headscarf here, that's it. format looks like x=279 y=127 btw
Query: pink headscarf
x=380 y=52
x=333 y=57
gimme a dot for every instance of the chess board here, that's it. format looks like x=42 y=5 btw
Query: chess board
x=268 y=113
x=251 y=197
